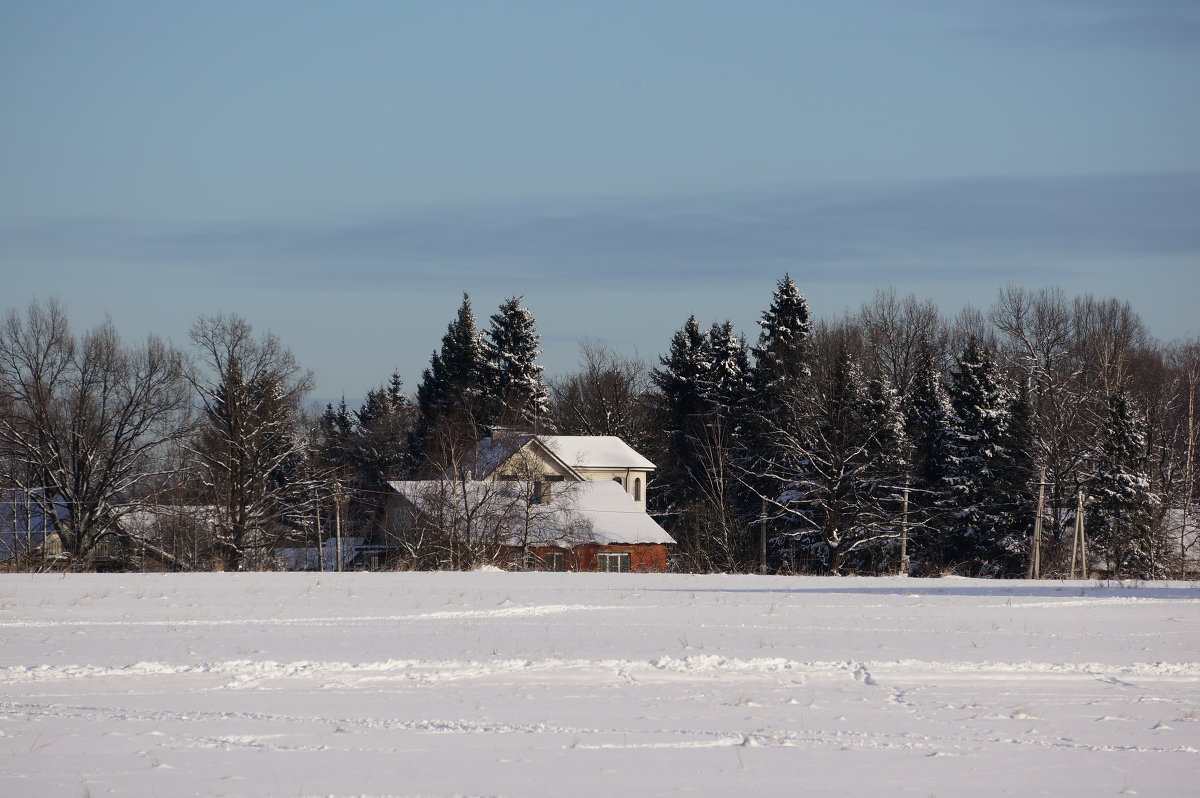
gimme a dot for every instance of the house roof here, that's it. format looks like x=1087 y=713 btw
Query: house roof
x=573 y=451
x=595 y=451
x=584 y=512
x=615 y=517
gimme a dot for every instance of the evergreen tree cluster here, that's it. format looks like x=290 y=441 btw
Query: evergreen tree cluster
x=478 y=381
x=801 y=454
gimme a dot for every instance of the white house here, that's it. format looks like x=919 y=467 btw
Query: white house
x=557 y=502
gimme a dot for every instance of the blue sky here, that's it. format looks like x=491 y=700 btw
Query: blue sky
x=341 y=173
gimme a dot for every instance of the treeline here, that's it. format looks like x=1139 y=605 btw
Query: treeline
x=887 y=438
x=830 y=446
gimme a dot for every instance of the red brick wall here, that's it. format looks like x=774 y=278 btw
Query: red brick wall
x=643 y=557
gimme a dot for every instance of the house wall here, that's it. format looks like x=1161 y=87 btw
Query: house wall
x=650 y=558
x=643 y=557
x=628 y=476
x=529 y=462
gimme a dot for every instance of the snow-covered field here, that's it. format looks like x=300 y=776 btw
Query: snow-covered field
x=594 y=685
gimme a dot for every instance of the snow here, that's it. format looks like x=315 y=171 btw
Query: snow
x=595 y=451
x=493 y=683
x=613 y=515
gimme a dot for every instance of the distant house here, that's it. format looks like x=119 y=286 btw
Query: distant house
x=578 y=458
x=547 y=502
x=28 y=521
x=29 y=537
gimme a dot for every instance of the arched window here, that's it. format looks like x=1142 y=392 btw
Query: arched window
x=637 y=489
x=618 y=481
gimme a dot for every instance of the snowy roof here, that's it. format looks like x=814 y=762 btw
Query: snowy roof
x=575 y=451
x=584 y=512
x=614 y=515
x=595 y=451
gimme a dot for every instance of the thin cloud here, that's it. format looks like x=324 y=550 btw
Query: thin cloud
x=853 y=233
x=1150 y=24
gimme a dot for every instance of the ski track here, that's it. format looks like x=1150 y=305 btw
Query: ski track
x=251 y=672
x=958 y=743
x=355 y=620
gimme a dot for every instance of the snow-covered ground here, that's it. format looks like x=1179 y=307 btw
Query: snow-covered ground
x=594 y=685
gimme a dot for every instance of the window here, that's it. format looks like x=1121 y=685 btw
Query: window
x=613 y=562
x=555 y=561
x=618 y=481
x=637 y=489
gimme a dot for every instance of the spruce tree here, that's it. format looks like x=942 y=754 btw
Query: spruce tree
x=781 y=357
x=514 y=378
x=1016 y=473
x=1123 y=504
x=727 y=385
x=383 y=425
x=973 y=532
x=451 y=393
x=684 y=376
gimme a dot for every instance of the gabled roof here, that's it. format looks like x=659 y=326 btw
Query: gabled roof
x=493 y=452
x=595 y=451
x=572 y=452
x=589 y=512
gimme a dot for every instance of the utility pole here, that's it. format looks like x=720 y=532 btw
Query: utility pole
x=337 y=509
x=320 y=543
x=762 y=538
x=1035 y=558
x=904 y=534
x=1079 y=543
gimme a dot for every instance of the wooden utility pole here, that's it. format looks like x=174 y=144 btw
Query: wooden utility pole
x=1079 y=543
x=1035 y=556
x=320 y=544
x=762 y=538
x=337 y=509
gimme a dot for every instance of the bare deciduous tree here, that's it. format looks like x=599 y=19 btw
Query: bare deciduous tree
x=86 y=421
x=249 y=447
x=606 y=396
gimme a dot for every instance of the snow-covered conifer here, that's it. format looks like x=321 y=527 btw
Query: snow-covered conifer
x=974 y=531
x=514 y=381
x=683 y=378
x=456 y=375
x=781 y=356
x=728 y=381
x=1123 y=505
